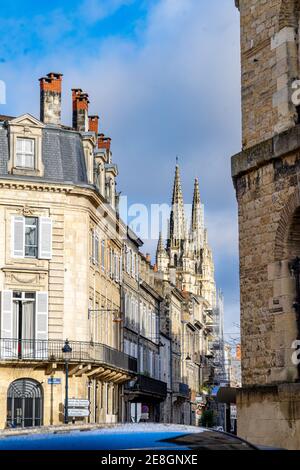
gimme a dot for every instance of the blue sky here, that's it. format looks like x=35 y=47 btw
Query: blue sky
x=164 y=76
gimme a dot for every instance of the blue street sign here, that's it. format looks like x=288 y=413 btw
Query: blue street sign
x=54 y=381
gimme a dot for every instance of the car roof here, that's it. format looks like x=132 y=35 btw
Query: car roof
x=124 y=437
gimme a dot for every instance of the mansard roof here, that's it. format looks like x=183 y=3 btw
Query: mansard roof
x=62 y=153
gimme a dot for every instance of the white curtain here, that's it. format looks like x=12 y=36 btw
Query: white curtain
x=15 y=332
x=27 y=328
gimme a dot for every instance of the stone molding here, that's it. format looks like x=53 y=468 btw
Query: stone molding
x=264 y=152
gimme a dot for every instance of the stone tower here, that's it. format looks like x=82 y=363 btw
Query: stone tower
x=266 y=179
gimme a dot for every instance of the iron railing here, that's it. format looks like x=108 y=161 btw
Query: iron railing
x=144 y=384
x=184 y=390
x=51 y=351
x=181 y=389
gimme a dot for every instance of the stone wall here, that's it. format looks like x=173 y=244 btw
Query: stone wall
x=270 y=416
x=269 y=60
x=266 y=178
x=267 y=196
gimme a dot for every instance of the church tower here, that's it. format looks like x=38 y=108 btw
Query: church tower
x=177 y=235
x=197 y=222
x=266 y=176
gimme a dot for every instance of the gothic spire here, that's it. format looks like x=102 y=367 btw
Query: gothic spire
x=160 y=246
x=162 y=258
x=177 y=218
x=197 y=222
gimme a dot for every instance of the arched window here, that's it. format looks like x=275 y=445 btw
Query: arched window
x=24 y=403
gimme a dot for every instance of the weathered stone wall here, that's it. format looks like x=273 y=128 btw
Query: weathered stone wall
x=270 y=416
x=269 y=60
x=267 y=288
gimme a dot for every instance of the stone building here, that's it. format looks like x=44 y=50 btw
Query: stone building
x=60 y=275
x=142 y=307
x=266 y=179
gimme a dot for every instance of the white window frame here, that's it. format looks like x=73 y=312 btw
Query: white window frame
x=40 y=253
x=23 y=154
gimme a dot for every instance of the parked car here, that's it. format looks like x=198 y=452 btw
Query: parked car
x=125 y=437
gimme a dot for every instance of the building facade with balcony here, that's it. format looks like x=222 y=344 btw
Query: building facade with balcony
x=61 y=266
x=142 y=303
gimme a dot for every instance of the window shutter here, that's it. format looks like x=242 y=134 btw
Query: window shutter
x=137 y=268
x=18 y=236
x=41 y=325
x=96 y=250
x=151 y=363
x=141 y=359
x=117 y=264
x=121 y=269
x=8 y=347
x=6 y=314
x=45 y=238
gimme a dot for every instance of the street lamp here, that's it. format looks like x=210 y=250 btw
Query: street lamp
x=66 y=350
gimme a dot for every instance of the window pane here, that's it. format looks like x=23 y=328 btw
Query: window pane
x=19 y=145
x=29 y=161
x=31 y=251
x=25 y=153
x=31 y=237
x=17 y=295
x=28 y=145
x=29 y=295
x=19 y=161
x=31 y=221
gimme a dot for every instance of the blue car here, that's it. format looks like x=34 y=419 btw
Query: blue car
x=151 y=437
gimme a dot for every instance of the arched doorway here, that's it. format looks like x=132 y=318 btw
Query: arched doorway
x=24 y=403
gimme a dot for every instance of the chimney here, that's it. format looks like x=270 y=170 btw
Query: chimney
x=80 y=110
x=93 y=124
x=50 y=98
x=104 y=142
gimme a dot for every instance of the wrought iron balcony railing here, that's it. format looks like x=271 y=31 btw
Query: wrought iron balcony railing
x=181 y=389
x=144 y=384
x=184 y=390
x=51 y=351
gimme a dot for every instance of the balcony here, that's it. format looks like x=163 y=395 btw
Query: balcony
x=94 y=354
x=182 y=390
x=148 y=386
x=208 y=373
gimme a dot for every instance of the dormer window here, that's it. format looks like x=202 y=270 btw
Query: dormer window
x=25 y=155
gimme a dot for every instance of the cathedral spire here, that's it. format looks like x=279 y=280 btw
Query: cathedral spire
x=177 y=218
x=197 y=222
x=160 y=246
x=162 y=259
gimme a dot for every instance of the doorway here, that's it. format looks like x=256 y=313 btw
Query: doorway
x=24 y=404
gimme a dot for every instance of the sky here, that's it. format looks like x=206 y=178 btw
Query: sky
x=164 y=77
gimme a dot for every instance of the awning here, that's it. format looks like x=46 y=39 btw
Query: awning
x=227 y=395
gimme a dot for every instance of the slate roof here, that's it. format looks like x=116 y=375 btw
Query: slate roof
x=62 y=155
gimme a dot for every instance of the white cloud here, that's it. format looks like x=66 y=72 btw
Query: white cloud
x=96 y=10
